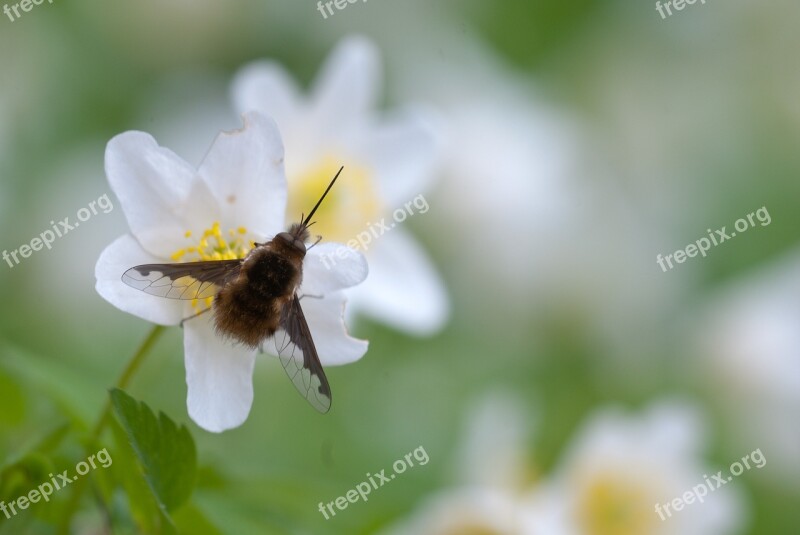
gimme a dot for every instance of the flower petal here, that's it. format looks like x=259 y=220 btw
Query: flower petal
x=265 y=86
x=154 y=187
x=403 y=151
x=325 y=319
x=403 y=288
x=346 y=88
x=123 y=254
x=219 y=376
x=244 y=171
x=332 y=266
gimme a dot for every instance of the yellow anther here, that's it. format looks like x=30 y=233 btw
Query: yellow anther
x=215 y=249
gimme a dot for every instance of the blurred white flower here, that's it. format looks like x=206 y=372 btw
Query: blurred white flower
x=470 y=511
x=507 y=165
x=620 y=466
x=751 y=336
x=388 y=162
x=240 y=186
x=492 y=495
x=531 y=208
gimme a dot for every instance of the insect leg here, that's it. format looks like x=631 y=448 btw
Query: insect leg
x=319 y=239
x=300 y=297
x=184 y=320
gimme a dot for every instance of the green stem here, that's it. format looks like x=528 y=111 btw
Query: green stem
x=127 y=374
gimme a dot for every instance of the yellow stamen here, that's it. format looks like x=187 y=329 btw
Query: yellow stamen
x=212 y=246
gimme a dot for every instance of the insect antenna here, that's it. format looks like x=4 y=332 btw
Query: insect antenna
x=310 y=215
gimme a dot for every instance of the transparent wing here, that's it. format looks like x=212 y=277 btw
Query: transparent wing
x=297 y=353
x=191 y=280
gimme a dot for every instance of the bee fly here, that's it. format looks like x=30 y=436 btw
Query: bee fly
x=253 y=299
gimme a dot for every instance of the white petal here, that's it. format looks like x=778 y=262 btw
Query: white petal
x=325 y=317
x=332 y=266
x=346 y=88
x=403 y=288
x=473 y=509
x=159 y=192
x=404 y=152
x=123 y=254
x=219 y=376
x=326 y=322
x=493 y=450
x=244 y=171
x=266 y=87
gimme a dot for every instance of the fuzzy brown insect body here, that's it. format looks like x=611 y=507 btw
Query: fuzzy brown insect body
x=248 y=309
x=254 y=299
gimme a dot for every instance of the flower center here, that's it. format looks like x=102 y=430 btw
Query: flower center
x=213 y=245
x=350 y=207
x=471 y=529
x=612 y=506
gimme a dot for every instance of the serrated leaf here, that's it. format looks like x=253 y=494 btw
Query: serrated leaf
x=166 y=452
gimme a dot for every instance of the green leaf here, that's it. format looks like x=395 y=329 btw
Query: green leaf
x=144 y=508
x=166 y=452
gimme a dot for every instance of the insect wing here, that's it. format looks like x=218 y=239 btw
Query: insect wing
x=297 y=353
x=187 y=281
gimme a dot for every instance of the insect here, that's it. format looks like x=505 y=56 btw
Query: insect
x=254 y=299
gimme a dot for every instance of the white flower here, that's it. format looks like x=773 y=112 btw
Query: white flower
x=174 y=212
x=388 y=163
x=620 y=466
x=475 y=510
x=509 y=160
x=493 y=494
x=750 y=336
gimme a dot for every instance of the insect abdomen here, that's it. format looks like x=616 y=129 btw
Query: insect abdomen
x=248 y=309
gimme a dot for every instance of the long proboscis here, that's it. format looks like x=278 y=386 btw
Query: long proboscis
x=307 y=219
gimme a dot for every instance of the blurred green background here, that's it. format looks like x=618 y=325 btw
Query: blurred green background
x=610 y=136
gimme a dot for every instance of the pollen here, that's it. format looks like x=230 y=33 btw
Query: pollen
x=213 y=246
x=347 y=209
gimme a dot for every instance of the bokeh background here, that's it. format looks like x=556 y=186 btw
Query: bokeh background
x=572 y=376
